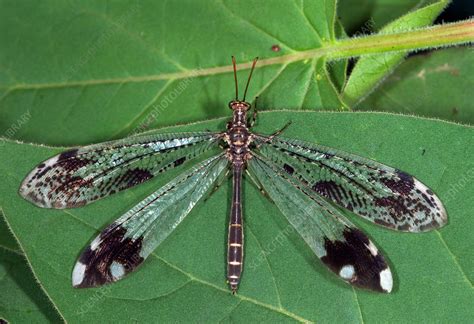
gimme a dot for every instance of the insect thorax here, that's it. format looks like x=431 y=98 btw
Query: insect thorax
x=238 y=138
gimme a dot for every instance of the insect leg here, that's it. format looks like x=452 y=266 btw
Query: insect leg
x=253 y=120
x=219 y=182
x=257 y=183
x=278 y=132
x=273 y=135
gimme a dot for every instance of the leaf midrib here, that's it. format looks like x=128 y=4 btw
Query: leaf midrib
x=193 y=73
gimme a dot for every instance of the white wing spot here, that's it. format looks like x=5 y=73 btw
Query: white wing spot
x=51 y=162
x=372 y=248
x=347 y=272
x=386 y=281
x=95 y=243
x=117 y=270
x=78 y=273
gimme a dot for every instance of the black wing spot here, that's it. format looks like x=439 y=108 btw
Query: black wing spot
x=136 y=176
x=404 y=185
x=354 y=251
x=330 y=190
x=41 y=172
x=396 y=205
x=74 y=164
x=68 y=154
x=114 y=248
x=179 y=161
x=288 y=168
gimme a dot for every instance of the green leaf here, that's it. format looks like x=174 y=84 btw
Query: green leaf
x=431 y=84
x=134 y=65
x=22 y=299
x=185 y=281
x=7 y=240
x=129 y=64
x=371 y=69
x=365 y=16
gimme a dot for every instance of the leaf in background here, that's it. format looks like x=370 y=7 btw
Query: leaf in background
x=22 y=299
x=371 y=69
x=431 y=84
x=129 y=63
x=6 y=238
x=371 y=15
x=282 y=280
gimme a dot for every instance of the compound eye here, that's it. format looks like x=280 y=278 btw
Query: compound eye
x=232 y=104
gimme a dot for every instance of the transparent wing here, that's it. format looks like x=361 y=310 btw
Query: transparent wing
x=79 y=176
x=377 y=192
x=343 y=248
x=124 y=244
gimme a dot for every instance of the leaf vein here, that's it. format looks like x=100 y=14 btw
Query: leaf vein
x=167 y=294
x=275 y=285
x=281 y=43
x=234 y=307
x=453 y=256
x=356 y=297
x=311 y=72
x=146 y=110
x=308 y=22
x=137 y=38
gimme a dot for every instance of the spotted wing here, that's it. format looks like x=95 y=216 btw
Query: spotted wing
x=127 y=242
x=82 y=175
x=377 y=192
x=343 y=248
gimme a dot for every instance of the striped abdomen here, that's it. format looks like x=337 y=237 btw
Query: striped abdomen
x=235 y=251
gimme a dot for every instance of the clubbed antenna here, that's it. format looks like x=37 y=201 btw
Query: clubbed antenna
x=250 y=76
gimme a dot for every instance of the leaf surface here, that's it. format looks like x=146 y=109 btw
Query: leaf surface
x=139 y=65
x=370 y=70
x=432 y=85
x=282 y=280
x=7 y=240
x=364 y=16
x=22 y=298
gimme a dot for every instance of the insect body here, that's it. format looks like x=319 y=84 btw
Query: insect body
x=304 y=180
x=238 y=139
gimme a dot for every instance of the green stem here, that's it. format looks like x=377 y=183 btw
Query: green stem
x=461 y=32
x=416 y=39
x=430 y=37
